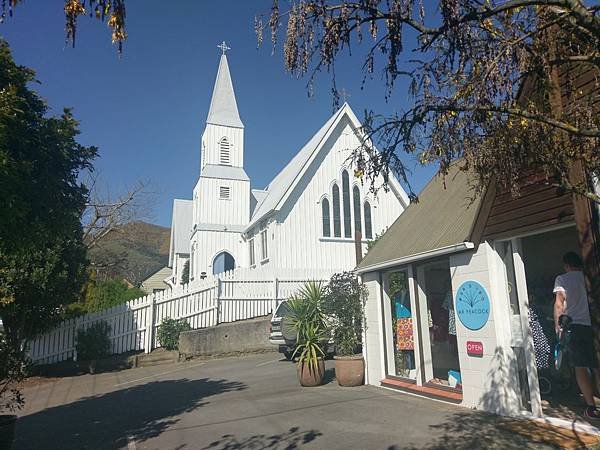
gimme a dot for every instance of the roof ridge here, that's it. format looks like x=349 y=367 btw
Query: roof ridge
x=301 y=158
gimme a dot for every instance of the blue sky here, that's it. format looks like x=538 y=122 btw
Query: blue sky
x=146 y=111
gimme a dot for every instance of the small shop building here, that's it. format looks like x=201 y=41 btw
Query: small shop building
x=452 y=286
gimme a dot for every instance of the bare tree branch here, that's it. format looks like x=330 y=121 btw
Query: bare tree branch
x=105 y=213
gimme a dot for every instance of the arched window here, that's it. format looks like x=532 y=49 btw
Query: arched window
x=346 y=200
x=357 y=214
x=368 y=222
x=224 y=151
x=326 y=218
x=337 y=226
x=223 y=262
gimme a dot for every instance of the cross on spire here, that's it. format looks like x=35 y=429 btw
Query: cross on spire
x=223 y=47
x=345 y=95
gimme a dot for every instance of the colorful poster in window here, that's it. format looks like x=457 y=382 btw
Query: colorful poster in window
x=472 y=305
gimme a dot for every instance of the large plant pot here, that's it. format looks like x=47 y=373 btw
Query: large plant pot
x=7 y=430
x=350 y=370
x=310 y=378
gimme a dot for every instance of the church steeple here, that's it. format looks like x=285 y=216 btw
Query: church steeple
x=223 y=137
x=223 y=107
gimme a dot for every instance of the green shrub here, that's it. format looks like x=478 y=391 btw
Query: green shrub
x=106 y=294
x=344 y=303
x=168 y=332
x=93 y=342
x=185 y=274
x=13 y=370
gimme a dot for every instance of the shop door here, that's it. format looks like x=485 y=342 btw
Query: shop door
x=516 y=312
x=531 y=263
x=438 y=324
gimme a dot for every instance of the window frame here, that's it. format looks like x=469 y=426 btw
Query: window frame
x=251 y=252
x=325 y=219
x=357 y=206
x=368 y=229
x=264 y=245
x=337 y=219
x=347 y=204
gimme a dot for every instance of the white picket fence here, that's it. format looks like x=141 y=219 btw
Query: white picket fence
x=236 y=295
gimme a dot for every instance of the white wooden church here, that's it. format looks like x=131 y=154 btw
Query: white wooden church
x=306 y=218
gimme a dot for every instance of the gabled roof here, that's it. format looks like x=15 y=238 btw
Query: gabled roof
x=443 y=218
x=223 y=107
x=256 y=198
x=156 y=280
x=181 y=228
x=283 y=184
x=224 y=172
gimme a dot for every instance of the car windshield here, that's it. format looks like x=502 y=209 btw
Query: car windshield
x=282 y=309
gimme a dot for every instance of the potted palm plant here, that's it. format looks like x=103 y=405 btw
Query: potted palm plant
x=306 y=319
x=343 y=303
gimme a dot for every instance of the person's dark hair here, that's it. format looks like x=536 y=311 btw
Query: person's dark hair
x=572 y=259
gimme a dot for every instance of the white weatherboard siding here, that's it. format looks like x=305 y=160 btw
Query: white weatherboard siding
x=226 y=214
x=212 y=209
x=210 y=144
x=210 y=243
x=299 y=229
x=178 y=265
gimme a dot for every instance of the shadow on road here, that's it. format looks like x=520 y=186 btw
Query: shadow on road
x=291 y=439
x=113 y=420
x=474 y=430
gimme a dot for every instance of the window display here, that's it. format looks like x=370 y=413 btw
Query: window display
x=402 y=325
x=435 y=283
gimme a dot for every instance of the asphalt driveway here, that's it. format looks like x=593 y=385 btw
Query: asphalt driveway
x=250 y=402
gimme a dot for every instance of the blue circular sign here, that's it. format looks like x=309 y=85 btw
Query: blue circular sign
x=472 y=305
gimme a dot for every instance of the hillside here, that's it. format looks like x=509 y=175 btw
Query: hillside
x=133 y=251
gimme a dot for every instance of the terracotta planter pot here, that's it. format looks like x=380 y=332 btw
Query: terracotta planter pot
x=314 y=378
x=7 y=430
x=350 y=370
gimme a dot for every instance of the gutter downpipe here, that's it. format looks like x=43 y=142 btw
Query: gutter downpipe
x=417 y=256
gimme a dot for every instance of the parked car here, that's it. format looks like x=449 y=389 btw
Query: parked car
x=285 y=338
x=276 y=337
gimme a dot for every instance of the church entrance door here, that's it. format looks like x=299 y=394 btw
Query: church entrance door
x=223 y=262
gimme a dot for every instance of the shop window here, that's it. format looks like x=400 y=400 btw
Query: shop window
x=368 y=221
x=346 y=202
x=357 y=213
x=401 y=355
x=326 y=218
x=337 y=226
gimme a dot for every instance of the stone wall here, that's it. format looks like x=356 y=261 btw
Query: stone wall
x=242 y=336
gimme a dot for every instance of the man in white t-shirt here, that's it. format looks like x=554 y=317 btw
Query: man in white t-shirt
x=572 y=300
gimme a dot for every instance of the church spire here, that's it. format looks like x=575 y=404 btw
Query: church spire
x=223 y=107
